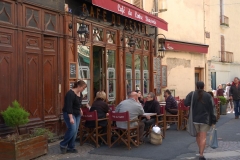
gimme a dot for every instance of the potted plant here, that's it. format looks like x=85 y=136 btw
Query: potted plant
x=16 y=146
x=223 y=105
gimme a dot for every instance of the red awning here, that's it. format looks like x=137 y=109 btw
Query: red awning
x=185 y=46
x=128 y=10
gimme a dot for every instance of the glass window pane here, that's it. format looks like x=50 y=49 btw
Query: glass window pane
x=111 y=36
x=5 y=9
x=111 y=84
x=145 y=82
x=84 y=70
x=111 y=58
x=97 y=34
x=137 y=63
x=145 y=63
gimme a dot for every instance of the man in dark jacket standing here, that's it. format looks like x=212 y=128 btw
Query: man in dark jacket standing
x=202 y=113
x=234 y=94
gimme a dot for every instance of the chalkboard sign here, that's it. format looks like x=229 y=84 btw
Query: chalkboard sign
x=71 y=83
x=164 y=76
x=72 y=70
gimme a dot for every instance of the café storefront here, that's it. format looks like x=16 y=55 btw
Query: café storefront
x=105 y=62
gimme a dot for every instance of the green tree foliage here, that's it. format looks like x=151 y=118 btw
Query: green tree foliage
x=15 y=115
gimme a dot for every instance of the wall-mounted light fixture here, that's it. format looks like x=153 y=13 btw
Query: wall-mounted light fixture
x=161 y=45
x=83 y=33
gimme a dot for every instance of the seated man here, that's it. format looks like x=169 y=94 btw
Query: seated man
x=171 y=104
x=151 y=106
x=135 y=109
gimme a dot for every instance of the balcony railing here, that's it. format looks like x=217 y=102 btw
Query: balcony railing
x=226 y=57
x=224 y=21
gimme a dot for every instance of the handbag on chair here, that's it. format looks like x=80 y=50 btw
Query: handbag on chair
x=190 y=126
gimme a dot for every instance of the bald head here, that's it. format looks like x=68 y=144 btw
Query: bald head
x=133 y=95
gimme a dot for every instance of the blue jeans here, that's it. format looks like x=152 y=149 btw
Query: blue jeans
x=71 y=133
x=236 y=108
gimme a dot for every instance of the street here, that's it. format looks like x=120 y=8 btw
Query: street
x=178 y=145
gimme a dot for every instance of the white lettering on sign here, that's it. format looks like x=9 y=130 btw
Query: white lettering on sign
x=121 y=9
x=138 y=15
x=129 y=12
x=169 y=47
x=149 y=20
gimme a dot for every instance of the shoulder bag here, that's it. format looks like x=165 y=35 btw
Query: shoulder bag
x=190 y=126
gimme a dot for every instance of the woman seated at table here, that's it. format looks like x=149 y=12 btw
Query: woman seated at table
x=151 y=106
x=102 y=109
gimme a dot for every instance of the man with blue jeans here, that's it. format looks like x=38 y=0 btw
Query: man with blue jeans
x=234 y=94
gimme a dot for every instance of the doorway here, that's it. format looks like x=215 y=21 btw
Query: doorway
x=198 y=75
x=104 y=75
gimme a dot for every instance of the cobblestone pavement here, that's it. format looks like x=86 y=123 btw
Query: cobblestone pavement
x=229 y=147
x=83 y=153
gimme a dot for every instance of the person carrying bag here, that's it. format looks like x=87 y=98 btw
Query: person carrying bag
x=201 y=115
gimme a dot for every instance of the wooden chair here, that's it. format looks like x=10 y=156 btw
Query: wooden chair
x=170 y=118
x=92 y=134
x=160 y=121
x=183 y=111
x=177 y=98
x=128 y=135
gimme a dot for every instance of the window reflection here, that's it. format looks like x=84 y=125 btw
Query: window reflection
x=111 y=75
x=145 y=76
x=137 y=72
x=84 y=70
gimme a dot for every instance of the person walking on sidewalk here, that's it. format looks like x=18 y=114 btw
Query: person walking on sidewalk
x=234 y=94
x=228 y=99
x=72 y=114
x=203 y=114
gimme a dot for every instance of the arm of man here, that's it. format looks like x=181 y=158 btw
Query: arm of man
x=187 y=101
x=231 y=92
x=69 y=103
x=157 y=107
x=141 y=111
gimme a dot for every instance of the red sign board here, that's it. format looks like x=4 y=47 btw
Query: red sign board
x=128 y=10
x=185 y=47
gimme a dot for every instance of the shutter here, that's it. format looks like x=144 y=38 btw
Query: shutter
x=137 y=3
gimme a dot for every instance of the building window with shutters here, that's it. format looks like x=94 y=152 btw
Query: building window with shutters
x=138 y=3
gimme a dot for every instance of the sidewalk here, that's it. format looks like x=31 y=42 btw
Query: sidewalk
x=228 y=130
x=177 y=145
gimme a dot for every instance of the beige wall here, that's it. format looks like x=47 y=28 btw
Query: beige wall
x=225 y=71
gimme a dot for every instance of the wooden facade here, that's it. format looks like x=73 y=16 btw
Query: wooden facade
x=37 y=48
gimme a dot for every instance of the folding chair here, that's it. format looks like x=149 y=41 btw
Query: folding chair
x=128 y=135
x=170 y=118
x=112 y=107
x=91 y=134
x=183 y=111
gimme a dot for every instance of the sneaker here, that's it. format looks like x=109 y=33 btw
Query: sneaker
x=63 y=150
x=72 y=150
x=202 y=158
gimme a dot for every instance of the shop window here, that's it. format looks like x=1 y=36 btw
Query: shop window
x=97 y=34
x=5 y=12
x=128 y=73
x=146 y=45
x=111 y=37
x=138 y=43
x=145 y=76
x=32 y=19
x=50 y=22
x=84 y=70
x=137 y=60
x=111 y=75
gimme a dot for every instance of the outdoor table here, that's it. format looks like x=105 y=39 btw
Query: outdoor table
x=149 y=114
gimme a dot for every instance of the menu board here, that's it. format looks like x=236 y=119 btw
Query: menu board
x=72 y=70
x=164 y=76
x=157 y=74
